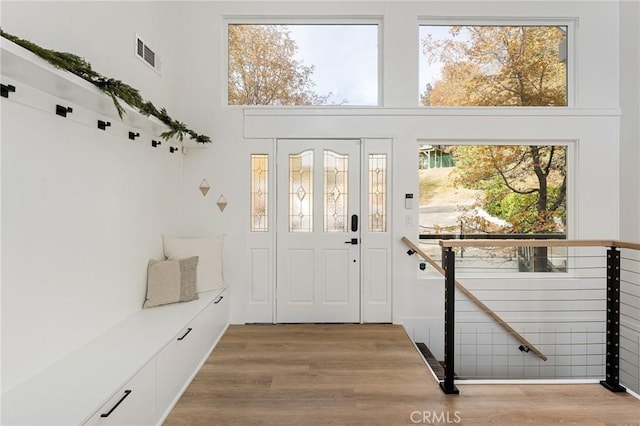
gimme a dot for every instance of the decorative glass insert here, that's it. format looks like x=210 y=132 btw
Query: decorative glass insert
x=259 y=192
x=336 y=191
x=377 y=192
x=301 y=192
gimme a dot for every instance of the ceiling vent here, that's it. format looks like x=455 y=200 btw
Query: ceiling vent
x=146 y=54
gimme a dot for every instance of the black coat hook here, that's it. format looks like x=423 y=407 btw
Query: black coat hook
x=5 y=89
x=172 y=149
x=133 y=136
x=155 y=143
x=102 y=125
x=62 y=110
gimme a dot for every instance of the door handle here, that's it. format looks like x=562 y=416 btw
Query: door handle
x=353 y=241
x=354 y=223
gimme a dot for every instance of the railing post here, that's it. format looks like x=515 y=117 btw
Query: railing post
x=613 y=322
x=448 y=257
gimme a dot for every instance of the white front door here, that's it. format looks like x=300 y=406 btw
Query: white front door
x=318 y=231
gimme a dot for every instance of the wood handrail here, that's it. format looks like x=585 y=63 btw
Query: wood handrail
x=627 y=245
x=476 y=301
x=539 y=243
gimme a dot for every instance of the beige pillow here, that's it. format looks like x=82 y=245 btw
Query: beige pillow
x=209 y=252
x=171 y=281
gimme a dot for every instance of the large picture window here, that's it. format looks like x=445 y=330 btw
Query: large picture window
x=495 y=191
x=302 y=64
x=482 y=65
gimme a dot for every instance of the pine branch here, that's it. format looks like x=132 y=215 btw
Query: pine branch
x=115 y=89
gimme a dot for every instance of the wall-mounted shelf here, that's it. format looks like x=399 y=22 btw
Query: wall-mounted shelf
x=23 y=67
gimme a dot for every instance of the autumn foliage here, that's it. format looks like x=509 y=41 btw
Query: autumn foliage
x=516 y=66
x=497 y=66
x=263 y=70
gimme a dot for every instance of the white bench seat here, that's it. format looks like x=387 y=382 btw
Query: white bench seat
x=77 y=387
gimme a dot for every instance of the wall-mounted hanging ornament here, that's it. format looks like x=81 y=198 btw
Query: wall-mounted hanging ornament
x=222 y=203
x=204 y=187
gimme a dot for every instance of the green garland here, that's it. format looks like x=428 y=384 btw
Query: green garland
x=116 y=89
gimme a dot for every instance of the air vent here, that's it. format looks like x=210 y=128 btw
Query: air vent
x=146 y=54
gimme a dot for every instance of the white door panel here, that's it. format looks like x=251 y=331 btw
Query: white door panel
x=318 y=267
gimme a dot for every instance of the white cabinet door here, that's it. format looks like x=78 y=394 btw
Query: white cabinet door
x=221 y=315
x=179 y=359
x=134 y=404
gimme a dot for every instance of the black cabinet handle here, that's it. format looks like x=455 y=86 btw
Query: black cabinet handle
x=185 y=334
x=218 y=300
x=126 y=394
x=354 y=223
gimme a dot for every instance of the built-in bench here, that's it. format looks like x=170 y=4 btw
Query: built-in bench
x=131 y=374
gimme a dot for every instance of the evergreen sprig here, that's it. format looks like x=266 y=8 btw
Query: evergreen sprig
x=115 y=89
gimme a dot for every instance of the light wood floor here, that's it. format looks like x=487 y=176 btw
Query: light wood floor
x=367 y=375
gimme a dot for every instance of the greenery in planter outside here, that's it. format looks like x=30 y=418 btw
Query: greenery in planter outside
x=116 y=89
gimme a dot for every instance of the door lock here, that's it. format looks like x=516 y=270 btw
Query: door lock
x=353 y=241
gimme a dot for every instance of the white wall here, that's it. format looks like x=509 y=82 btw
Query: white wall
x=103 y=33
x=190 y=38
x=235 y=131
x=83 y=209
x=630 y=120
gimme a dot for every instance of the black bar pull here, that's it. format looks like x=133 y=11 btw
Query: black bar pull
x=354 y=223
x=218 y=300
x=185 y=334
x=126 y=394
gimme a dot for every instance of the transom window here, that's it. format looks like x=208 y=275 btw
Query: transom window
x=482 y=65
x=302 y=64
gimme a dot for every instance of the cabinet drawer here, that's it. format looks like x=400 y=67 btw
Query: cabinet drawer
x=134 y=404
x=180 y=358
x=176 y=362
x=220 y=315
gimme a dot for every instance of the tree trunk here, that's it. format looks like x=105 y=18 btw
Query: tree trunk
x=540 y=259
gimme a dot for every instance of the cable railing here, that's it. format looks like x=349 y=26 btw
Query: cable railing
x=507 y=259
x=585 y=321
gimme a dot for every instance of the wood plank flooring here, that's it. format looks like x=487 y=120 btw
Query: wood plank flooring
x=367 y=375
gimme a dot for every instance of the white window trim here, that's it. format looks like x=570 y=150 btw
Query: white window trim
x=571 y=202
x=298 y=20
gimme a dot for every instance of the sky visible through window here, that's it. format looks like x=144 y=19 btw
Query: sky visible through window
x=345 y=59
x=429 y=73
